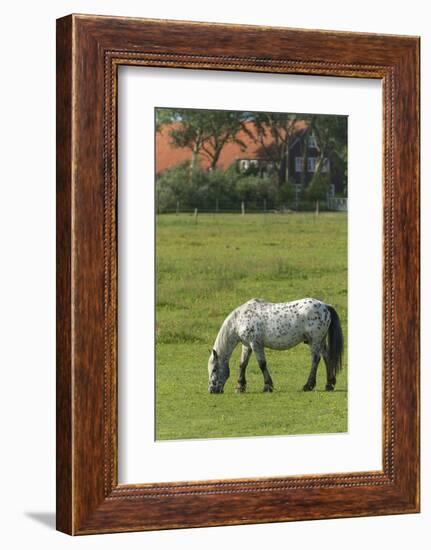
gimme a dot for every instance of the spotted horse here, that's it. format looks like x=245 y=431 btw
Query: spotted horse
x=259 y=324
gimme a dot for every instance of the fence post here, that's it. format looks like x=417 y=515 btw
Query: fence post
x=217 y=204
x=317 y=208
x=178 y=208
x=242 y=208
x=196 y=215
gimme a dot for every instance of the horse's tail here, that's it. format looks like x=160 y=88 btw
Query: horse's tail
x=335 y=343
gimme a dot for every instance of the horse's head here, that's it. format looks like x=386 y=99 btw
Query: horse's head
x=218 y=373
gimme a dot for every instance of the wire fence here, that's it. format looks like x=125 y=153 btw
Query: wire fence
x=332 y=204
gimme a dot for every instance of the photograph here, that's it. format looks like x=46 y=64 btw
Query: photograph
x=251 y=261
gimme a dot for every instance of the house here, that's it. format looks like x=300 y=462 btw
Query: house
x=256 y=158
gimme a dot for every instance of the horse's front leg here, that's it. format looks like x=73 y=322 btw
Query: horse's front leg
x=315 y=360
x=245 y=357
x=268 y=385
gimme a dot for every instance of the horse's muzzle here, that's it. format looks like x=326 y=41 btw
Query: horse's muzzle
x=215 y=389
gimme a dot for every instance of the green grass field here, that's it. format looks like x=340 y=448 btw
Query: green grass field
x=204 y=271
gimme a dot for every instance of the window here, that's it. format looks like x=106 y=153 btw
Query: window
x=312 y=143
x=298 y=164
x=244 y=165
x=311 y=164
x=325 y=165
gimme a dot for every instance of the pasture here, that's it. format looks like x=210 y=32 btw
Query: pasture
x=204 y=270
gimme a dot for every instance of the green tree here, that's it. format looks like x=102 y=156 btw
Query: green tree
x=318 y=188
x=172 y=186
x=331 y=137
x=275 y=133
x=285 y=194
x=204 y=132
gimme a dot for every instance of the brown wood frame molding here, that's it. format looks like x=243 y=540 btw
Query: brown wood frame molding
x=89 y=51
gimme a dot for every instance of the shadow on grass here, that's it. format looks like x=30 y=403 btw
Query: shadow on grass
x=323 y=391
x=282 y=391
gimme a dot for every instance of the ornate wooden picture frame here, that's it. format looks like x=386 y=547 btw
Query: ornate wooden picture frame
x=89 y=51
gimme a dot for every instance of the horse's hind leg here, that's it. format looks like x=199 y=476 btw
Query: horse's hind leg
x=315 y=360
x=245 y=357
x=268 y=385
x=330 y=376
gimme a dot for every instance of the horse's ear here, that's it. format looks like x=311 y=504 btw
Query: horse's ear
x=215 y=354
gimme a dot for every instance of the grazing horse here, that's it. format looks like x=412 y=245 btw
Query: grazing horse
x=258 y=324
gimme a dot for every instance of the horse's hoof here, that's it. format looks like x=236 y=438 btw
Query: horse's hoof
x=268 y=389
x=329 y=387
x=308 y=387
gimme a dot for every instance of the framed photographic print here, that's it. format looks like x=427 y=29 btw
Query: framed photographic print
x=237 y=274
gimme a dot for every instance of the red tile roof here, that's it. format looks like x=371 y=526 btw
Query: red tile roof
x=167 y=155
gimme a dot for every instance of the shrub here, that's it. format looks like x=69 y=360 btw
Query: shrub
x=173 y=185
x=204 y=189
x=318 y=188
x=285 y=194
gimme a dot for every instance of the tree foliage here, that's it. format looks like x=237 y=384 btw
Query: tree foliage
x=318 y=188
x=207 y=189
x=275 y=133
x=331 y=136
x=203 y=132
